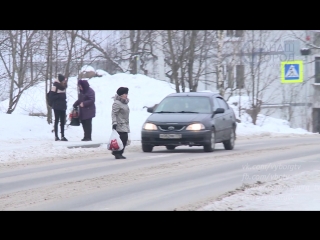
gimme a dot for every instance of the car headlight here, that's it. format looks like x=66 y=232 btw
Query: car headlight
x=195 y=126
x=149 y=126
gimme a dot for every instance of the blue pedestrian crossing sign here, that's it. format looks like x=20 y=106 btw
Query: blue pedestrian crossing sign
x=292 y=71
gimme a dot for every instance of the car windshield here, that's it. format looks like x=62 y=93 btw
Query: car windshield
x=184 y=104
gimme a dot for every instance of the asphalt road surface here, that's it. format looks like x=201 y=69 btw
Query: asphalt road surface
x=186 y=178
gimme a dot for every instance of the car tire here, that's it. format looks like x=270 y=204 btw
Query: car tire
x=212 y=145
x=147 y=148
x=170 y=147
x=229 y=144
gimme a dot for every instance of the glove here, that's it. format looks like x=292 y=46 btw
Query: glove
x=114 y=126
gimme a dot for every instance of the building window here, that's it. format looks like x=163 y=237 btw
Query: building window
x=240 y=76
x=230 y=33
x=317 y=70
x=230 y=77
x=234 y=33
x=238 y=33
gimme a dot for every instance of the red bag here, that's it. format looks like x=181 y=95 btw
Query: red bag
x=115 y=143
x=74 y=117
x=75 y=113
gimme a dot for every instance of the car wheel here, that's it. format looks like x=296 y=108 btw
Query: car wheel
x=229 y=144
x=147 y=148
x=170 y=147
x=212 y=145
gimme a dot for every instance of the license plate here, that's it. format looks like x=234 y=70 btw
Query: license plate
x=170 y=136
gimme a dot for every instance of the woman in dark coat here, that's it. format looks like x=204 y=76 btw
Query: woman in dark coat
x=87 y=111
x=59 y=105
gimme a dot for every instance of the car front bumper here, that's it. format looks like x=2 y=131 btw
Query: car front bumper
x=191 y=138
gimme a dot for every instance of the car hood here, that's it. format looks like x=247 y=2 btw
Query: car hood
x=177 y=117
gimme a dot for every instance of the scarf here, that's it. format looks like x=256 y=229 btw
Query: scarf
x=117 y=97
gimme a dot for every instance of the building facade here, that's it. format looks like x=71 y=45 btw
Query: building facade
x=253 y=63
x=256 y=64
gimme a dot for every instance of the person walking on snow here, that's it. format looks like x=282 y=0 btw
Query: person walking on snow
x=120 y=118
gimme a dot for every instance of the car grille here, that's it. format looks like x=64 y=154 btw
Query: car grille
x=175 y=128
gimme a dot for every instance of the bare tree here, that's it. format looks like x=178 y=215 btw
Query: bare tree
x=48 y=73
x=109 y=53
x=261 y=76
x=220 y=36
x=174 y=63
x=199 y=45
x=135 y=38
x=137 y=50
x=186 y=54
x=16 y=51
x=70 y=50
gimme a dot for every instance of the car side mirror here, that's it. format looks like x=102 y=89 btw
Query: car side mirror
x=151 y=109
x=217 y=111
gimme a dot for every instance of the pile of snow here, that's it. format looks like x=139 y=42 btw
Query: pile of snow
x=265 y=125
x=87 y=68
x=102 y=73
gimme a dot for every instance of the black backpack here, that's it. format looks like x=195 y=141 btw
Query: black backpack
x=51 y=96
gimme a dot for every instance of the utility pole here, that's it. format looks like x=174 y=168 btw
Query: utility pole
x=306 y=52
x=252 y=69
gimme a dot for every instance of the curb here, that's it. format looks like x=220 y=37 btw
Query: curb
x=94 y=145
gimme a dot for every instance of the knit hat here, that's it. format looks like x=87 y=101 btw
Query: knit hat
x=61 y=77
x=122 y=90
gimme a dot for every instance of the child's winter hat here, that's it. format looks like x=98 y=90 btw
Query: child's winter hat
x=61 y=77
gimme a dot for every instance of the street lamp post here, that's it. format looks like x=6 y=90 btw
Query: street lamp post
x=306 y=52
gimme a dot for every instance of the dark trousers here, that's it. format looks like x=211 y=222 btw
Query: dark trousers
x=59 y=115
x=124 y=139
x=87 y=128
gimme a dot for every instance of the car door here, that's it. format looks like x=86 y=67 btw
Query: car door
x=218 y=121
x=227 y=118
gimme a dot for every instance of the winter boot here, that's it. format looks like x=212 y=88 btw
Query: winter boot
x=64 y=139
x=86 y=139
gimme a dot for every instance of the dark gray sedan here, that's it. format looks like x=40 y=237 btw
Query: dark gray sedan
x=192 y=119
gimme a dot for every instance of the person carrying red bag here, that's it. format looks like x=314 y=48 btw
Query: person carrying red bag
x=86 y=102
x=120 y=118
